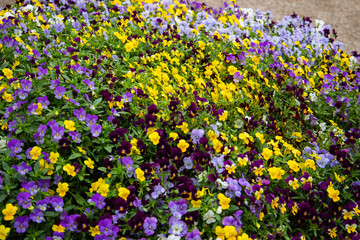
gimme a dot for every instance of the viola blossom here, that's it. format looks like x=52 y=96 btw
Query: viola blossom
x=196 y=134
x=59 y=92
x=194 y=235
x=57 y=133
x=42 y=130
x=98 y=200
x=14 y=145
x=90 y=84
x=54 y=84
x=90 y=119
x=23 y=199
x=95 y=130
x=157 y=191
x=76 y=136
x=150 y=225
x=177 y=227
x=44 y=101
x=26 y=85
x=178 y=208
x=37 y=216
x=22 y=169
x=127 y=97
x=57 y=203
x=31 y=187
x=21 y=224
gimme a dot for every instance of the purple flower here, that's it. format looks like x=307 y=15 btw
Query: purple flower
x=22 y=94
x=59 y=92
x=26 y=85
x=150 y=225
x=69 y=222
x=43 y=184
x=32 y=109
x=105 y=226
x=42 y=204
x=54 y=83
x=57 y=132
x=323 y=161
x=57 y=203
x=98 y=200
x=196 y=134
x=24 y=199
x=194 y=235
x=52 y=123
x=127 y=97
x=95 y=130
x=42 y=72
x=234 y=188
x=76 y=137
x=90 y=84
x=44 y=101
x=178 y=208
x=158 y=190
x=80 y=114
x=22 y=169
x=37 y=216
x=57 y=179
x=42 y=130
x=177 y=227
x=59 y=27
x=90 y=119
x=218 y=162
x=127 y=162
x=21 y=224
x=188 y=163
x=31 y=187
x=14 y=145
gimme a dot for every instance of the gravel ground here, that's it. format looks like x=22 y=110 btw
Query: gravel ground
x=343 y=15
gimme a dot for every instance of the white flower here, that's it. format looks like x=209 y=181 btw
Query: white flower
x=28 y=8
x=2 y=143
x=238 y=123
x=313 y=97
x=173 y=237
x=222 y=184
x=18 y=32
x=319 y=23
x=7 y=14
x=209 y=217
x=219 y=210
x=203 y=176
x=323 y=126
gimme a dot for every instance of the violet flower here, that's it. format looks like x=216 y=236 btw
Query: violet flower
x=150 y=225
x=21 y=224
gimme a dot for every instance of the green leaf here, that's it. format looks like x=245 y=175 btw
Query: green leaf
x=2 y=197
x=80 y=200
x=5 y=166
x=103 y=169
x=74 y=155
x=37 y=166
x=193 y=209
x=97 y=101
x=108 y=148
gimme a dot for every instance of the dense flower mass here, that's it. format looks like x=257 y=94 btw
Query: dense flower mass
x=165 y=119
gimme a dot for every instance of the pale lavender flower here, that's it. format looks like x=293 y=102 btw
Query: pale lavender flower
x=150 y=225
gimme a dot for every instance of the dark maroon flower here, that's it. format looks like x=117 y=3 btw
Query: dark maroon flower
x=124 y=148
x=152 y=109
x=64 y=143
x=82 y=223
x=173 y=105
x=150 y=120
x=136 y=222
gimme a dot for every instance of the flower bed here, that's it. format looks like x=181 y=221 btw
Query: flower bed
x=171 y=120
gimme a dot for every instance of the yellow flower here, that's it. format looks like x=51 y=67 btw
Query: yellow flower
x=89 y=163
x=123 y=193
x=260 y=136
x=310 y=164
x=81 y=150
x=201 y=45
x=8 y=73
x=95 y=230
x=220 y=232
x=129 y=46
x=230 y=232
x=267 y=153
x=333 y=194
x=232 y=70
x=7 y=97
x=276 y=173
x=35 y=153
x=339 y=178
x=351 y=228
x=4 y=232
x=140 y=174
x=196 y=203
x=347 y=214
x=58 y=228
x=62 y=189
x=223 y=116
x=174 y=135
x=103 y=189
x=154 y=138
x=184 y=127
x=183 y=145
x=9 y=212
x=244 y=236
x=217 y=145
x=332 y=232
x=293 y=165
x=243 y=161
x=69 y=125
x=224 y=201
x=70 y=170
x=54 y=157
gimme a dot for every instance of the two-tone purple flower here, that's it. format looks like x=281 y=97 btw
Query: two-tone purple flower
x=90 y=84
x=22 y=169
x=127 y=97
x=90 y=119
x=57 y=203
x=76 y=136
x=23 y=199
x=59 y=92
x=196 y=134
x=95 y=130
x=21 y=224
x=177 y=227
x=178 y=208
x=44 y=101
x=14 y=145
x=150 y=225
x=54 y=83
x=80 y=114
x=37 y=216
x=57 y=132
